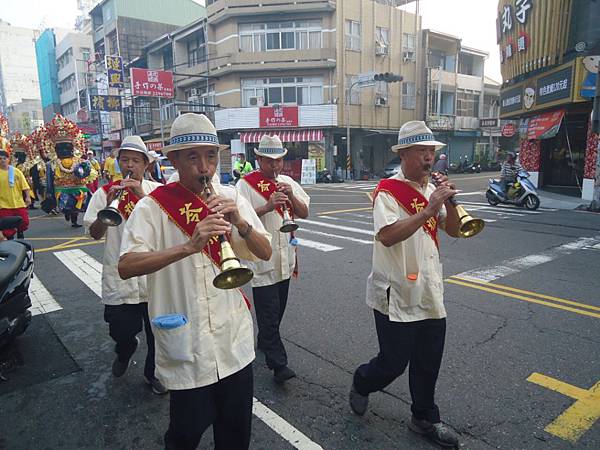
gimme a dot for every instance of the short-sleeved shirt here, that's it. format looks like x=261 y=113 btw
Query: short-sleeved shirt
x=283 y=258
x=408 y=301
x=110 y=166
x=218 y=339
x=11 y=197
x=116 y=291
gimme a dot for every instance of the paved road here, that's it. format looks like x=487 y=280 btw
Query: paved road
x=521 y=353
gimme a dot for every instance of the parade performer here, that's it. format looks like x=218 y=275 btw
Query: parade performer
x=111 y=168
x=204 y=336
x=67 y=174
x=405 y=288
x=39 y=145
x=14 y=190
x=89 y=156
x=269 y=192
x=125 y=301
x=22 y=151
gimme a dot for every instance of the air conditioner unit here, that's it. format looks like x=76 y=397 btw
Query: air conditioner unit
x=193 y=99
x=408 y=56
x=380 y=100
x=255 y=101
x=381 y=50
x=193 y=92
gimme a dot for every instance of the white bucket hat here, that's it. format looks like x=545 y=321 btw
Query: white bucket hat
x=136 y=144
x=416 y=132
x=191 y=130
x=271 y=147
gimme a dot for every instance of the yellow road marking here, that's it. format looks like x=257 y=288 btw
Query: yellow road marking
x=524 y=298
x=370 y=195
x=579 y=417
x=53 y=238
x=343 y=211
x=66 y=245
x=522 y=291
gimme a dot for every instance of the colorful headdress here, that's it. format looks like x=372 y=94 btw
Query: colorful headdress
x=22 y=143
x=40 y=143
x=61 y=129
x=4 y=142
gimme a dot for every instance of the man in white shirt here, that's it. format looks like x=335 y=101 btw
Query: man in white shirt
x=204 y=335
x=270 y=194
x=126 y=307
x=405 y=288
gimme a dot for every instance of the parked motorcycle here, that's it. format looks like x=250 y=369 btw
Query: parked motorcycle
x=324 y=176
x=16 y=271
x=521 y=193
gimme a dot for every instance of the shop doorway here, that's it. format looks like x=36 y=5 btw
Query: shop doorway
x=563 y=156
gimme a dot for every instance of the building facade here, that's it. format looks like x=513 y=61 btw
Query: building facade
x=72 y=55
x=25 y=116
x=285 y=67
x=45 y=55
x=549 y=55
x=18 y=72
x=123 y=28
x=457 y=96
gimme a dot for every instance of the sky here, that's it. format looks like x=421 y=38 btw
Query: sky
x=471 y=20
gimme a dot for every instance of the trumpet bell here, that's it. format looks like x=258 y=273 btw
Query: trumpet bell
x=233 y=274
x=110 y=216
x=288 y=226
x=469 y=226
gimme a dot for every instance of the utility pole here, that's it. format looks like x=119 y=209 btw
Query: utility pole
x=595 y=205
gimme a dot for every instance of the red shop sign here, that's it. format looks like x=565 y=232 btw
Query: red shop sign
x=545 y=125
x=152 y=83
x=278 y=116
x=509 y=130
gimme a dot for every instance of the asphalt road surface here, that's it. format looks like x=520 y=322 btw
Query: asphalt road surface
x=521 y=368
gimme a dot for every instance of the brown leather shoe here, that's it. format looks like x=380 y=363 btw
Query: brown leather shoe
x=437 y=432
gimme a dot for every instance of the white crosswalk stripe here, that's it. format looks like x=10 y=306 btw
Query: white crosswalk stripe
x=335 y=236
x=337 y=227
x=42 y=302
x=317 y=245
x=363 y=222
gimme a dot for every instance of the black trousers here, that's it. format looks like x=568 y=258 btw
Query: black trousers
x=226 y=405
x=124 y=323
x=419 y=343
x=269 y=304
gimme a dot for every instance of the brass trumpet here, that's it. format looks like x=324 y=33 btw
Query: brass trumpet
x=468 y=226
x=110 y=216
x=233 y=274
x=288 y=224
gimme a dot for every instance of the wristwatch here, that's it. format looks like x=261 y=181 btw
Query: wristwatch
x=247 y=232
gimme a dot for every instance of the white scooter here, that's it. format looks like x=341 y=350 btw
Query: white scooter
x=521 y=193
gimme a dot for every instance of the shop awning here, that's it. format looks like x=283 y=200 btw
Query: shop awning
x=307 y=135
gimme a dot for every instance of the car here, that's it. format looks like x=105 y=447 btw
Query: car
x=391 y=168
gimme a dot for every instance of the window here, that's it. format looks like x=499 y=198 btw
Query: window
x=382 y=37
x=200 y=96
x=67 y=84
x=143 y=111
x=296 y=35
x=408 y=42
x=409 y=95
x=381 y=89
x=167 y=57
x=355 y=94
x=353 y=35
x=287 y=90
x=85 y=53
x=70 y=108
x=196 y=48
x=467 y=104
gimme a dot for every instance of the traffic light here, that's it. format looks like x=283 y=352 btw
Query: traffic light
x=387 y=77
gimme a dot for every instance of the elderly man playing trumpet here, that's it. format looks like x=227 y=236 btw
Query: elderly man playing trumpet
x=405 y=287
x=126 y=307
x=204 y=335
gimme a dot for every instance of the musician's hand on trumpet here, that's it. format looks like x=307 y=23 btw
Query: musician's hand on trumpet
x=277 y=199
x=211 y=225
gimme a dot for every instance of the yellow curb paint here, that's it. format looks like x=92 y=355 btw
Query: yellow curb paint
x=66 y=246
x=579 y=417
x=343 y=211
x=534 y=294
x=524 y=298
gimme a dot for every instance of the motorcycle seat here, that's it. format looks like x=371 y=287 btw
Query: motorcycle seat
x=12 y=255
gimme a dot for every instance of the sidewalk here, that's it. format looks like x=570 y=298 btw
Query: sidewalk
x=552 y=200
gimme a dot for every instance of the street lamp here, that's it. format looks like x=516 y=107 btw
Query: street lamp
x=386 y=77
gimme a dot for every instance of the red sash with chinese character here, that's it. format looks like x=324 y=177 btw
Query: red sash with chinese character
x=411 y=200
x=127 y=201
x=186 y=209
x=267 y=188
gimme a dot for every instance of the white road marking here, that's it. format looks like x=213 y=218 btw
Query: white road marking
x=470 y=193
x=317 y=245
x=337 y=227
x=335 y=236
x=511 y=266
x=295 y=437
x=42 y=301
x=92 y=277
x=514 y=208
x=84 y=267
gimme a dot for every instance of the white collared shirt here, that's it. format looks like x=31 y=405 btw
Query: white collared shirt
x=116 y=291
x=409 y=301
x=283 y=259
x=218 y=339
